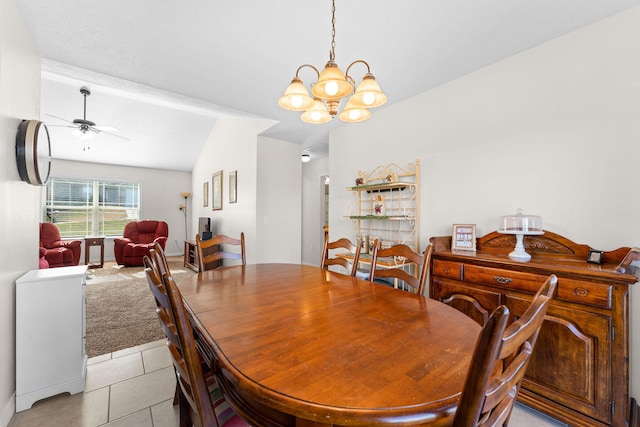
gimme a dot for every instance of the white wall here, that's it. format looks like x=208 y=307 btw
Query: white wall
x=554 y=130
x=160 y=197
x=279 y=201
x=313 y=209
x=268 y=189
x=19 y=202
x=232 y=146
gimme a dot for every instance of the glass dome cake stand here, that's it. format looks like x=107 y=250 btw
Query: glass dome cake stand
x=521 y=225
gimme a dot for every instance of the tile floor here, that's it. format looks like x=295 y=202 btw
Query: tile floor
x=134 y=388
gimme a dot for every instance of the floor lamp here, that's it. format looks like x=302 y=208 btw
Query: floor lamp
x=183 y=208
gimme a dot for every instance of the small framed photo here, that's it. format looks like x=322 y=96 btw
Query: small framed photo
x=595 y=257
x=463 y=237
x=233 y=187
x=216 y=189
x=205 y=194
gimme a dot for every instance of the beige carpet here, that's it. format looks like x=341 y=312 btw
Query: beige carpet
x=121 y=309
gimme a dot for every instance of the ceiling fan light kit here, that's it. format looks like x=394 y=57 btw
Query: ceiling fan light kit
x=331 y=87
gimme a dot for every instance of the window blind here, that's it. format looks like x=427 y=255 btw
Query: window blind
x=90 y=208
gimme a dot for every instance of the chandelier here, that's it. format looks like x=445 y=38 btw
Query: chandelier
x=332 y=86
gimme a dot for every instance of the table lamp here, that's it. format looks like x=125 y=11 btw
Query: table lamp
x=520 y=225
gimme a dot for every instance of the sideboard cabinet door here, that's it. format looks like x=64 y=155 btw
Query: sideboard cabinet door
x=570 y=341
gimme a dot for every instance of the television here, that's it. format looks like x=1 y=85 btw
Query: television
x=204 y=228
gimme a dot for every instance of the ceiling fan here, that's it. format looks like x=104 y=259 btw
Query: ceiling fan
x=86 y=129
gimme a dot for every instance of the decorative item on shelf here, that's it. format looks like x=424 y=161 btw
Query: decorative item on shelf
x=372 y=241
x=391 y=177
x=386 y=244
x=463 y=237
x=332 y=86
x=359 y=181
x=378 y=205
x=183 y=208
x=363 y=241
x=521 y=225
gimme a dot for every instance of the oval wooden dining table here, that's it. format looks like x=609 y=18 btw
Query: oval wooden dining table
x=296 y=345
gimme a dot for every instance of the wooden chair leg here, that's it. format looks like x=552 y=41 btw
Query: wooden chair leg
x=176 y=395
x=185 y=411
x=634 y=418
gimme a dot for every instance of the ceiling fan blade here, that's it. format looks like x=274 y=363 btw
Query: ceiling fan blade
x=106 y=128
x=109 y=133
x=59 y=118
x=62 y=126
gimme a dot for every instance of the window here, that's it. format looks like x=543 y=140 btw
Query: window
x=90 y=208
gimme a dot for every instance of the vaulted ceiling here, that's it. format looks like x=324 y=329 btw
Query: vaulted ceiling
x=164 y=72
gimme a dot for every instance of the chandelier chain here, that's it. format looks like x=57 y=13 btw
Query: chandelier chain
x=332 y=54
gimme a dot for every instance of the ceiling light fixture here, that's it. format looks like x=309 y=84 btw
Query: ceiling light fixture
x=305 y=157
x=332 y=86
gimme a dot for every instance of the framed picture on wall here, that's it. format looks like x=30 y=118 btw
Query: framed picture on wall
x=205 y=194
x=233 y=187
x=463 y=237
x=216 y=189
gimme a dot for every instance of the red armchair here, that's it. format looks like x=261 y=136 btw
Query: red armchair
x=138 y=238
x=58 y=252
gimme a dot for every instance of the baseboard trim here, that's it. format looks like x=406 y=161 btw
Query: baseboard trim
x=634 y=416
x=8 y=411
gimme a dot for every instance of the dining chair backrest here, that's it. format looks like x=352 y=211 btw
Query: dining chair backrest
x=187 y=362
x=201 y=399
x=210 y=251
x=160 y=259
x=163 y=308
x=399 y=257
x=500 y=361
x=351 y=265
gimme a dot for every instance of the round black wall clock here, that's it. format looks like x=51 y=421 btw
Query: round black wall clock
x=33 y=152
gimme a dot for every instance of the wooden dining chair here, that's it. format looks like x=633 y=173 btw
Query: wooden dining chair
x=201 y=401
x=160 y=259
x=163 y=309
x=345 y=244
x=500 y=361
x=401 y=256
x=210 y=251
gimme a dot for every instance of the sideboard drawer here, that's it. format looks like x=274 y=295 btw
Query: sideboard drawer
x=598 y=295
x=504 y=278
x=448 y=269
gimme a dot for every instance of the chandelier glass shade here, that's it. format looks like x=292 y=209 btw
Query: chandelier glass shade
x=330 y=89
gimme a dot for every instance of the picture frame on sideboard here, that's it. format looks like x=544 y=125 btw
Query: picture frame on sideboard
x=463 y=237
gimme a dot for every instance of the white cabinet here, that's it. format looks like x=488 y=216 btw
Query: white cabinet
x=50 y=334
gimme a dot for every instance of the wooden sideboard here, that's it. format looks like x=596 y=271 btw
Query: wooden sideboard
x=579 y=372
